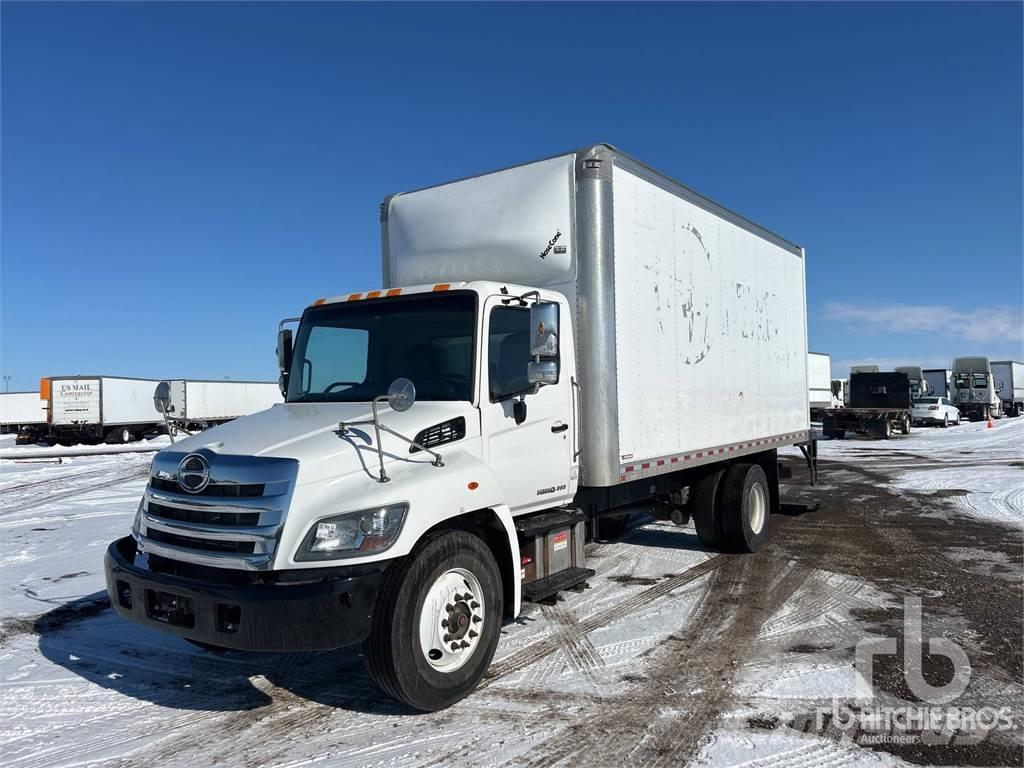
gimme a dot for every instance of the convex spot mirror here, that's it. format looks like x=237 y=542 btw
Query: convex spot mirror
x=162 y=397
x=401 y=394
x=543 y=366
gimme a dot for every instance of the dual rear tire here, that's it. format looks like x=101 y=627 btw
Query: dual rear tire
x=731 y=508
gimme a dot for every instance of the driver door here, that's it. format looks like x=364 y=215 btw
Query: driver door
x=532 y=460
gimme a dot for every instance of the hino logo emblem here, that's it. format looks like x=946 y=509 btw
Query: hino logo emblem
x=194 y=473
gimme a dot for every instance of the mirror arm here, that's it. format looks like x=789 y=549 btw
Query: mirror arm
x=377 y=427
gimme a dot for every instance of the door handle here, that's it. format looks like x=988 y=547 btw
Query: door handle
x=559 y=427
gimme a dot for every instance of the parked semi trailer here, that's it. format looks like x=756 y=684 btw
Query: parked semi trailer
x=23 y=414
x=91 y=409
x=552 y=343
x=937 y=380
x=819 y=384
x=918 y=385
x=880 y=404
x=1009 y=380
x=974 y=390
x=198 y=404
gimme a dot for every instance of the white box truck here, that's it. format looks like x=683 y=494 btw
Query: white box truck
x=199 y=404
x=551 y=343
x=819 y=384
x=1009 y=380
x=23 y=414
x=90 y=409
x=974 y=391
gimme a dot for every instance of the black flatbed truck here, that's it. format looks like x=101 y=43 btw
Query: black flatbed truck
x=880 y=404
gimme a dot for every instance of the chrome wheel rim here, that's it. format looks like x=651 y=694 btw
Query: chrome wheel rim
x=758 y=506
x=452 y=619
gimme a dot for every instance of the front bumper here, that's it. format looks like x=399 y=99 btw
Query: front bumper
x=330 y=612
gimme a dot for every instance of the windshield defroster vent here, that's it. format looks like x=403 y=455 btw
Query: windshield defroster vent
x=439 y=434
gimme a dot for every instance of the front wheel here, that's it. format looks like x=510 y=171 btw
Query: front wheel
x=436 y=622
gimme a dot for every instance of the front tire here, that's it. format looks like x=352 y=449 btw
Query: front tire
x=436 y=622
x=746 y=506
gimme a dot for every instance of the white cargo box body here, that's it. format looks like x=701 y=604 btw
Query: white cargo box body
x=101 y=400
x=690 y=319
x=197 y=400
x=1009 y=380
x=22 y=408
x=819 y=380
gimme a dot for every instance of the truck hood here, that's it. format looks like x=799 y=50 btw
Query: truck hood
x=309 y=432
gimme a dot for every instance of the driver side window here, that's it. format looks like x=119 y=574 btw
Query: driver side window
x=508 y=352
x=340 y=354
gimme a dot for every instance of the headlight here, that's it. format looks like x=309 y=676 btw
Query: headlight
x=353 y=533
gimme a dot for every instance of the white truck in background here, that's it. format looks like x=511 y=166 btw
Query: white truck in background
x=974 y=390
x=937 y=380
x=918 y=385
x=1009 y=380
x=819 y=384
x=840 y=392
x=552 y=343
x=23 y=414
x=92 y=409
x=196 y=404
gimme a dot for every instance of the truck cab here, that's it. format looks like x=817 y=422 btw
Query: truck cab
x=973 y=389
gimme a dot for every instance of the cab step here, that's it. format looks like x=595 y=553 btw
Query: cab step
x=543 y=589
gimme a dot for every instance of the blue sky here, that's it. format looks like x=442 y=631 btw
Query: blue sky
x=176 y=178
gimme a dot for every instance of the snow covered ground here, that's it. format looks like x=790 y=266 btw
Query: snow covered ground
x=985 y=463
x=674 y=656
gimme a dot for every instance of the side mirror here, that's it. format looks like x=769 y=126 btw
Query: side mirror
x=401 y=395
x=162 y=397
x=543 y=368
x=284 y=350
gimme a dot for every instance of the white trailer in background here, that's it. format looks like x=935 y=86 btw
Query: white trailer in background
x=819 y=384
x=937 y=380
x=22 y=413
x=553 y=343
x=198 y=403
x=1009 y=382
x=90 y=409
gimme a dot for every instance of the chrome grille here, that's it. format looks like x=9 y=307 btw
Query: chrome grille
x=234 y=522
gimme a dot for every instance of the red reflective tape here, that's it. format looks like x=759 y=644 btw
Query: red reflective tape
x=675 y=459
x=629 y=468
x=661 y=462
x=645 y=466
x=699 y=454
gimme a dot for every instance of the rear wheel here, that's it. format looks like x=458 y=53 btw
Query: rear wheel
x=745 y=507
x=880 y=429
x=905 y=426
x=706 y=517
x=945 y=421
x=436 y=622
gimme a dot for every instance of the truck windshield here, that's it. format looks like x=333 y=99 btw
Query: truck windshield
x=351 y=352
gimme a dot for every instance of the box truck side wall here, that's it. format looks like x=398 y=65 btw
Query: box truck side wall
x=709 y=327
x=128 y=401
